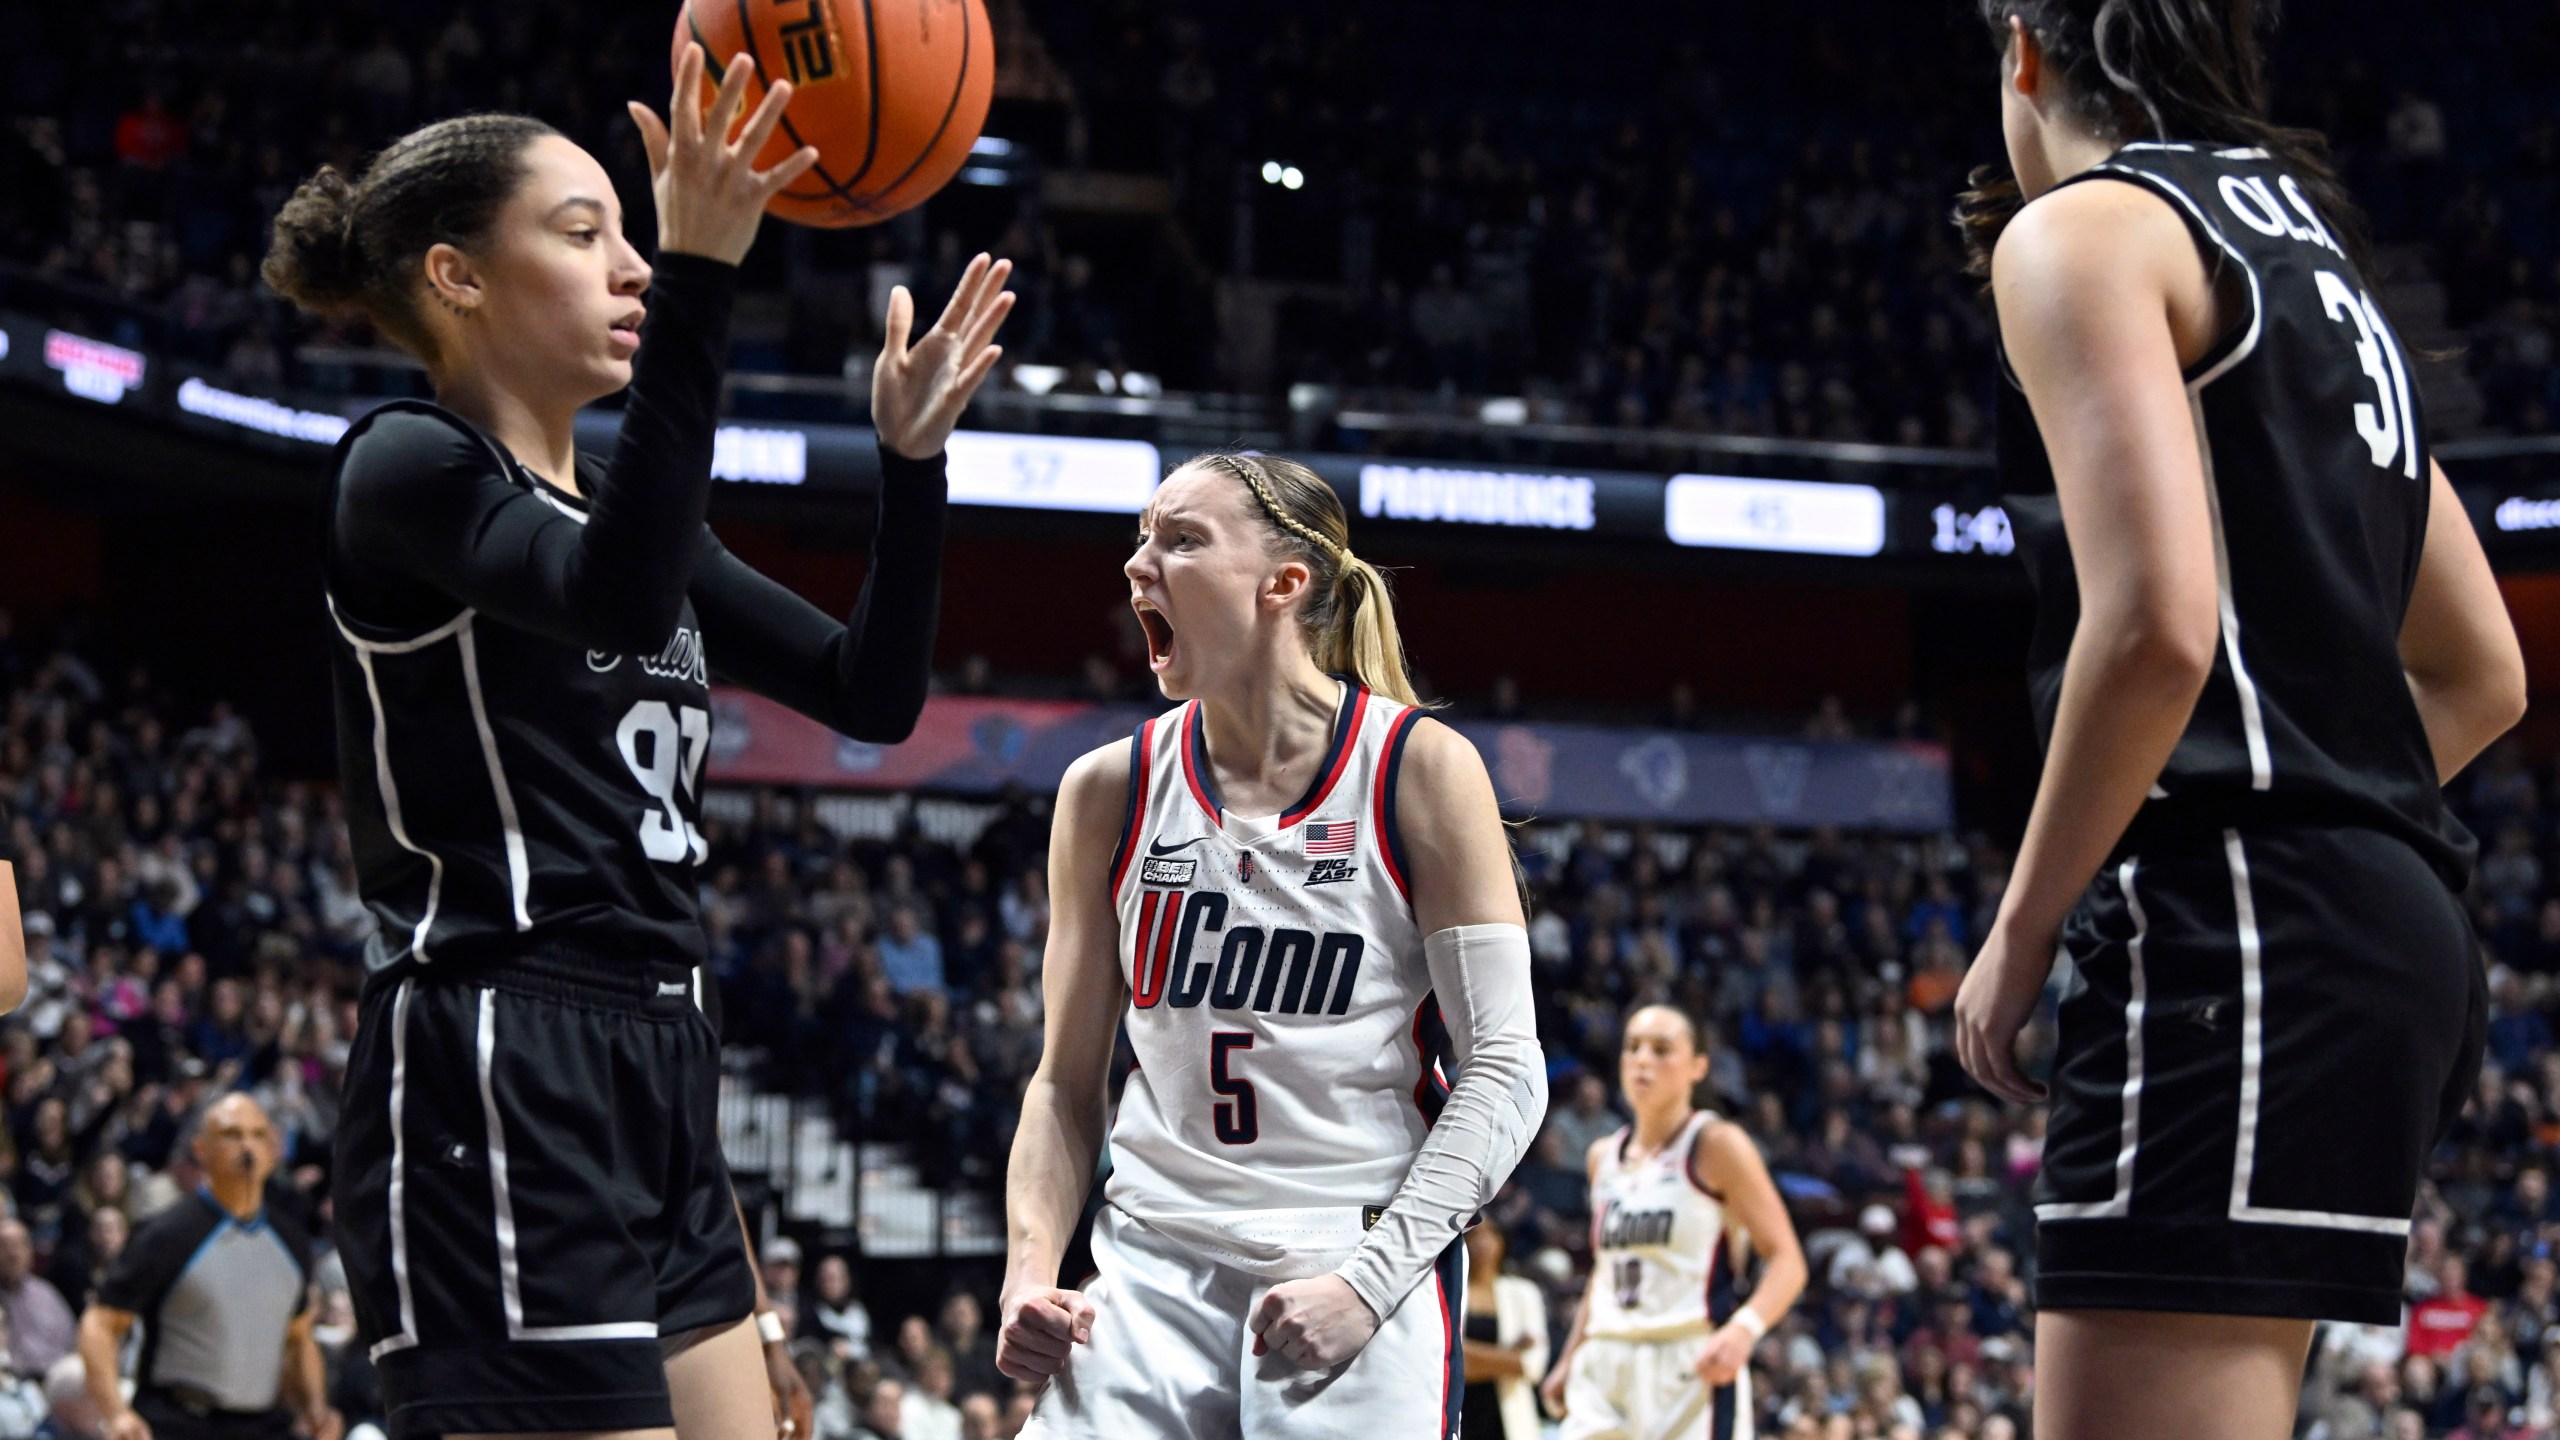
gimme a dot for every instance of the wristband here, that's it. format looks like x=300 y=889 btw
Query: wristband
x=769 y=1327
x=1749 y=1319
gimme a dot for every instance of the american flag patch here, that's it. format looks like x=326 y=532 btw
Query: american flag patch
x=1330 y=837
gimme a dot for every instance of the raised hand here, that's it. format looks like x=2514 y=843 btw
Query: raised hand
x=710 y=196
x=919 y=390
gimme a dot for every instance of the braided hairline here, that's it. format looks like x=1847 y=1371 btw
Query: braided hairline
x=1250 y=474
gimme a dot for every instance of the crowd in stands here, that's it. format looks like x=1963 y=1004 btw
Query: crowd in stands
x=193 y=928
x=1746 y=236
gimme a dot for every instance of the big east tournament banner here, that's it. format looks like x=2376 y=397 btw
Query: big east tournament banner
x=979 y=746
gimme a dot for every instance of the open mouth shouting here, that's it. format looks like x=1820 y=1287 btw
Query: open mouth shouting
x=1159 y=632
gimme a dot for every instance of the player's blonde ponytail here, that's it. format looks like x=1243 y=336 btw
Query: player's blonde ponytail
x=1351 y=616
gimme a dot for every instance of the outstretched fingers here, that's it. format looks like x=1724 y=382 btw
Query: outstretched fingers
x=995 y=303
x=732 y=99
x=900 y=320
x=766 y=119
x=653 y=135
x=964 y=296
x=684 y=107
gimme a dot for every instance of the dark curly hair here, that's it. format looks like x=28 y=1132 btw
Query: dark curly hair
x=344 y=246
x=2192 y=70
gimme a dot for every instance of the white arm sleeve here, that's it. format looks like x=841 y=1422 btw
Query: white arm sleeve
x=1480 y=975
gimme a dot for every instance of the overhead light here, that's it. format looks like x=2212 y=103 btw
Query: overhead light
x=985 y=175
x=1291 y=177
x=1270 y=172
x=991 y=145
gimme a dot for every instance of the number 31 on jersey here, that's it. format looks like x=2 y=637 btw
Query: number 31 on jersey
x=2389 y=426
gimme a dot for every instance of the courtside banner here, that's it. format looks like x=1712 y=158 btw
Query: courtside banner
x=962 y=743
x=1600 y=772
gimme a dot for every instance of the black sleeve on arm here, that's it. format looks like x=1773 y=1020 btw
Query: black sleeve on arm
x=866 y=677
x=422 y=498
x=140 y=1275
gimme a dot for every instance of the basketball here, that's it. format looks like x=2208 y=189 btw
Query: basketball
x=891 y=92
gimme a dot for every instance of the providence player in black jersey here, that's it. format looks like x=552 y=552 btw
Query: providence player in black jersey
x=2266 y=635
x=536 y=1223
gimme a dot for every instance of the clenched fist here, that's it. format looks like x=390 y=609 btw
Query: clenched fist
x=1314 y=1324
x=1039 y=1329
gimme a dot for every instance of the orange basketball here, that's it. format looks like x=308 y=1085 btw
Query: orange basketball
x=892 y=92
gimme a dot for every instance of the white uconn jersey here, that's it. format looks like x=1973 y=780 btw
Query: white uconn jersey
x=1663 y=1251
x=1279 y=1004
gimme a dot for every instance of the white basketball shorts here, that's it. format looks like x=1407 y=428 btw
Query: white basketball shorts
x=1650 y=1390
x=1171 y=1356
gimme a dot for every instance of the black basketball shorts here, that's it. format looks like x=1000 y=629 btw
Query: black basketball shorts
x=529 y=1192
x=2269 y=1031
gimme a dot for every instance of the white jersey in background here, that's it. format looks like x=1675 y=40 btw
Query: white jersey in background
x=1662 y=1280
x=1279 y=1002
x=1662 y=1265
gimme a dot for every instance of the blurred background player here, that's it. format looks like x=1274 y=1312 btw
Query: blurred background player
x=537 y=1224
x=1680 y=1200
x=2267 y=635
x=1295 y=893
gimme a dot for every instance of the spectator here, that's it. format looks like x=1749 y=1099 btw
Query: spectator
x=1586 y=1115
x=910 y=956
x=881 y=1414
x=927 y=1413
x=22 y=1406
x=972 y=1350
x=782 y=1277
x=1506 y=1343
x=2440 y=1323
x=148 y=137
x=71 y=1414
x=836 y=1314
x=41 y=1327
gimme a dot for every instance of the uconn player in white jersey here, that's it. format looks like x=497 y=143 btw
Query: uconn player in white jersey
x=1295 y=893
x=1661 y=1347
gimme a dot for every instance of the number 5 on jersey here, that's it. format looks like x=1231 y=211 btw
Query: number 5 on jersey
x=649 y=735
x=1233 y=1118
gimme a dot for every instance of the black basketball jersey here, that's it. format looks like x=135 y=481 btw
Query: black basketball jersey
x=2317 y=476
x=505 y=787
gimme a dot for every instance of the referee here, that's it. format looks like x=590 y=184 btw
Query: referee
x=221 y=1285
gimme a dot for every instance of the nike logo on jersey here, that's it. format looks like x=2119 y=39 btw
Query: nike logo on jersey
x=1158 y=847
x=673 y=987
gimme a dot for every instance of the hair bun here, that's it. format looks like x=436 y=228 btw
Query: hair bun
x=315 y=261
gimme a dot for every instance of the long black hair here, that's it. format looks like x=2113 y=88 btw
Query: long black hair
x=2191 y=70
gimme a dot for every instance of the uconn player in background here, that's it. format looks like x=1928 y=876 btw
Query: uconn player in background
x=1661 y=1347
x=538 y=1228
x=1295 y=893
x=2266 y=635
